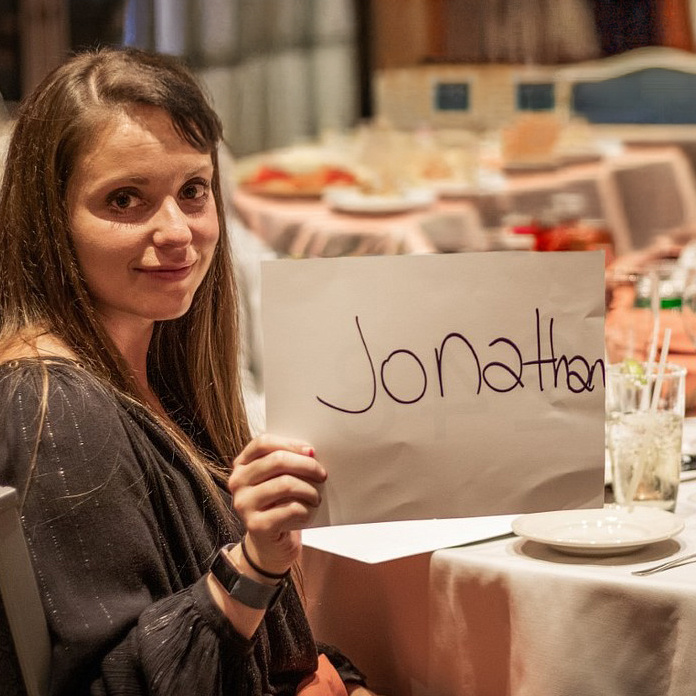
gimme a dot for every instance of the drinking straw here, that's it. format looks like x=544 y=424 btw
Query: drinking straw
x=661 y=369
x=655 y=306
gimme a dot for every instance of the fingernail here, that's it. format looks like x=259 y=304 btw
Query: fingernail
x=309 y=451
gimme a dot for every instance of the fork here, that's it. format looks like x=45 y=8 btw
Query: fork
x=666 y=566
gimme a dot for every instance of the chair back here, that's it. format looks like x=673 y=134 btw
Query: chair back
x=21 y=600
x=656 y=190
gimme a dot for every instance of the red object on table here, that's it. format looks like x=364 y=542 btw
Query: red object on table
x=264 y=174
x=575 y=236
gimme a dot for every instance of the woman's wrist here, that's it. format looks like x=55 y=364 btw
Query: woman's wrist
x=242 y=594
x=239 y=561
x=263 y=566
x=244 y=618
x=257 y=568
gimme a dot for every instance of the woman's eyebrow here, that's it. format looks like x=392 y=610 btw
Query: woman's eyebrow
x=142 y=180
x=197 y=171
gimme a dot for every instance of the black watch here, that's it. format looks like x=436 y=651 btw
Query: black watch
x=250 y=593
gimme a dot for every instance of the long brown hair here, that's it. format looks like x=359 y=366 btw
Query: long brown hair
x=192 y=360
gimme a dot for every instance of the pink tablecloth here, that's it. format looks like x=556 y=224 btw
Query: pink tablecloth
x=308 y=227
x=637 y=194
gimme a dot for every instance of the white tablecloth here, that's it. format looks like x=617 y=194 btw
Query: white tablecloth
x=513 y=617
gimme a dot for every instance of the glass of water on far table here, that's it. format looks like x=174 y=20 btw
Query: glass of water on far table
x=644 y=423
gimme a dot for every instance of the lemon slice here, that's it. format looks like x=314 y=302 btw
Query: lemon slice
x=633 y=367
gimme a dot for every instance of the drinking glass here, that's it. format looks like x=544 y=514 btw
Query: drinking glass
x=644 y=423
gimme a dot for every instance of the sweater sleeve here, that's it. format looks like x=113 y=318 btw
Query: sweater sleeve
x=126 y=615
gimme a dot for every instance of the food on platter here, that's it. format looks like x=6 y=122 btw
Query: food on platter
x=272 y=180
x=297 y=172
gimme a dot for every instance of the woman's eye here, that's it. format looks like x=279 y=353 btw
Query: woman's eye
x=123 y=200
x=195 y=190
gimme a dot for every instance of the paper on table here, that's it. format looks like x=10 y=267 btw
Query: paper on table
x=441 y=386
x=378 y=542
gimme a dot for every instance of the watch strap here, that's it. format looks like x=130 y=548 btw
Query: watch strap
x=251 y=593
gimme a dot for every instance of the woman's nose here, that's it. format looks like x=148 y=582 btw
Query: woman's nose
x=171 y=225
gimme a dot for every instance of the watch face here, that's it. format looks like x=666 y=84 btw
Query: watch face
x=252 y=594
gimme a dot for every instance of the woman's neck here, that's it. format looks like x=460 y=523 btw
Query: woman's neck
x=132 y=341
x=133 y=345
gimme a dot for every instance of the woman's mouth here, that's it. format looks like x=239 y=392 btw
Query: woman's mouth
x=168 y=273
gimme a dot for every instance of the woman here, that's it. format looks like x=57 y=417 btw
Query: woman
x=121 y=405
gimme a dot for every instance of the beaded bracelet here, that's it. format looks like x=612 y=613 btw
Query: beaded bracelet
x=259 y=570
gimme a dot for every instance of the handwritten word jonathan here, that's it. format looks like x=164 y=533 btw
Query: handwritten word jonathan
x=575 y=372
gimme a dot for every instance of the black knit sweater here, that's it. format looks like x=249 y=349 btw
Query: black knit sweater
x=121 y=535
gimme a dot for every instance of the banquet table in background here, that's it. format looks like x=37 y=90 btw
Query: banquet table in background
x=635 y=194
x=308 y=227
x=514 y=617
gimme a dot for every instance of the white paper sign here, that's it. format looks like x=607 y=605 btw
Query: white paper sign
x=441 y=386
x=377 y=542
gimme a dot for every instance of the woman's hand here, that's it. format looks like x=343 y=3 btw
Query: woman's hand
x=276 y=489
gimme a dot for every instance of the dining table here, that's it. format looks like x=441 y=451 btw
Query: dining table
x=514 y=616
x=306 y=226
x=473 y=215
x=468 y=218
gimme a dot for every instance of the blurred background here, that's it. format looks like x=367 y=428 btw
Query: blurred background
x=285 y=70
x=278 y=70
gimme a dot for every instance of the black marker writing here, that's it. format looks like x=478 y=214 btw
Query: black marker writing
x=498 y=376
x=374 y=380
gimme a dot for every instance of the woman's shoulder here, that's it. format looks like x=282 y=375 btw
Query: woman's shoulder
x=36 y=359
x=54 y=418
x=34 y=343
x=52 y=381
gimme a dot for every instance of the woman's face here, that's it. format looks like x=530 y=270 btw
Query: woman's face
x=143 y=220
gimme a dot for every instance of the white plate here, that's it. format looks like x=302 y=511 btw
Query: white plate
x=352 y=200
x=602 y=531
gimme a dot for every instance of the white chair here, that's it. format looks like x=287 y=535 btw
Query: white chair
x=655 y=189
x=601 y=200
x=21 y=600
